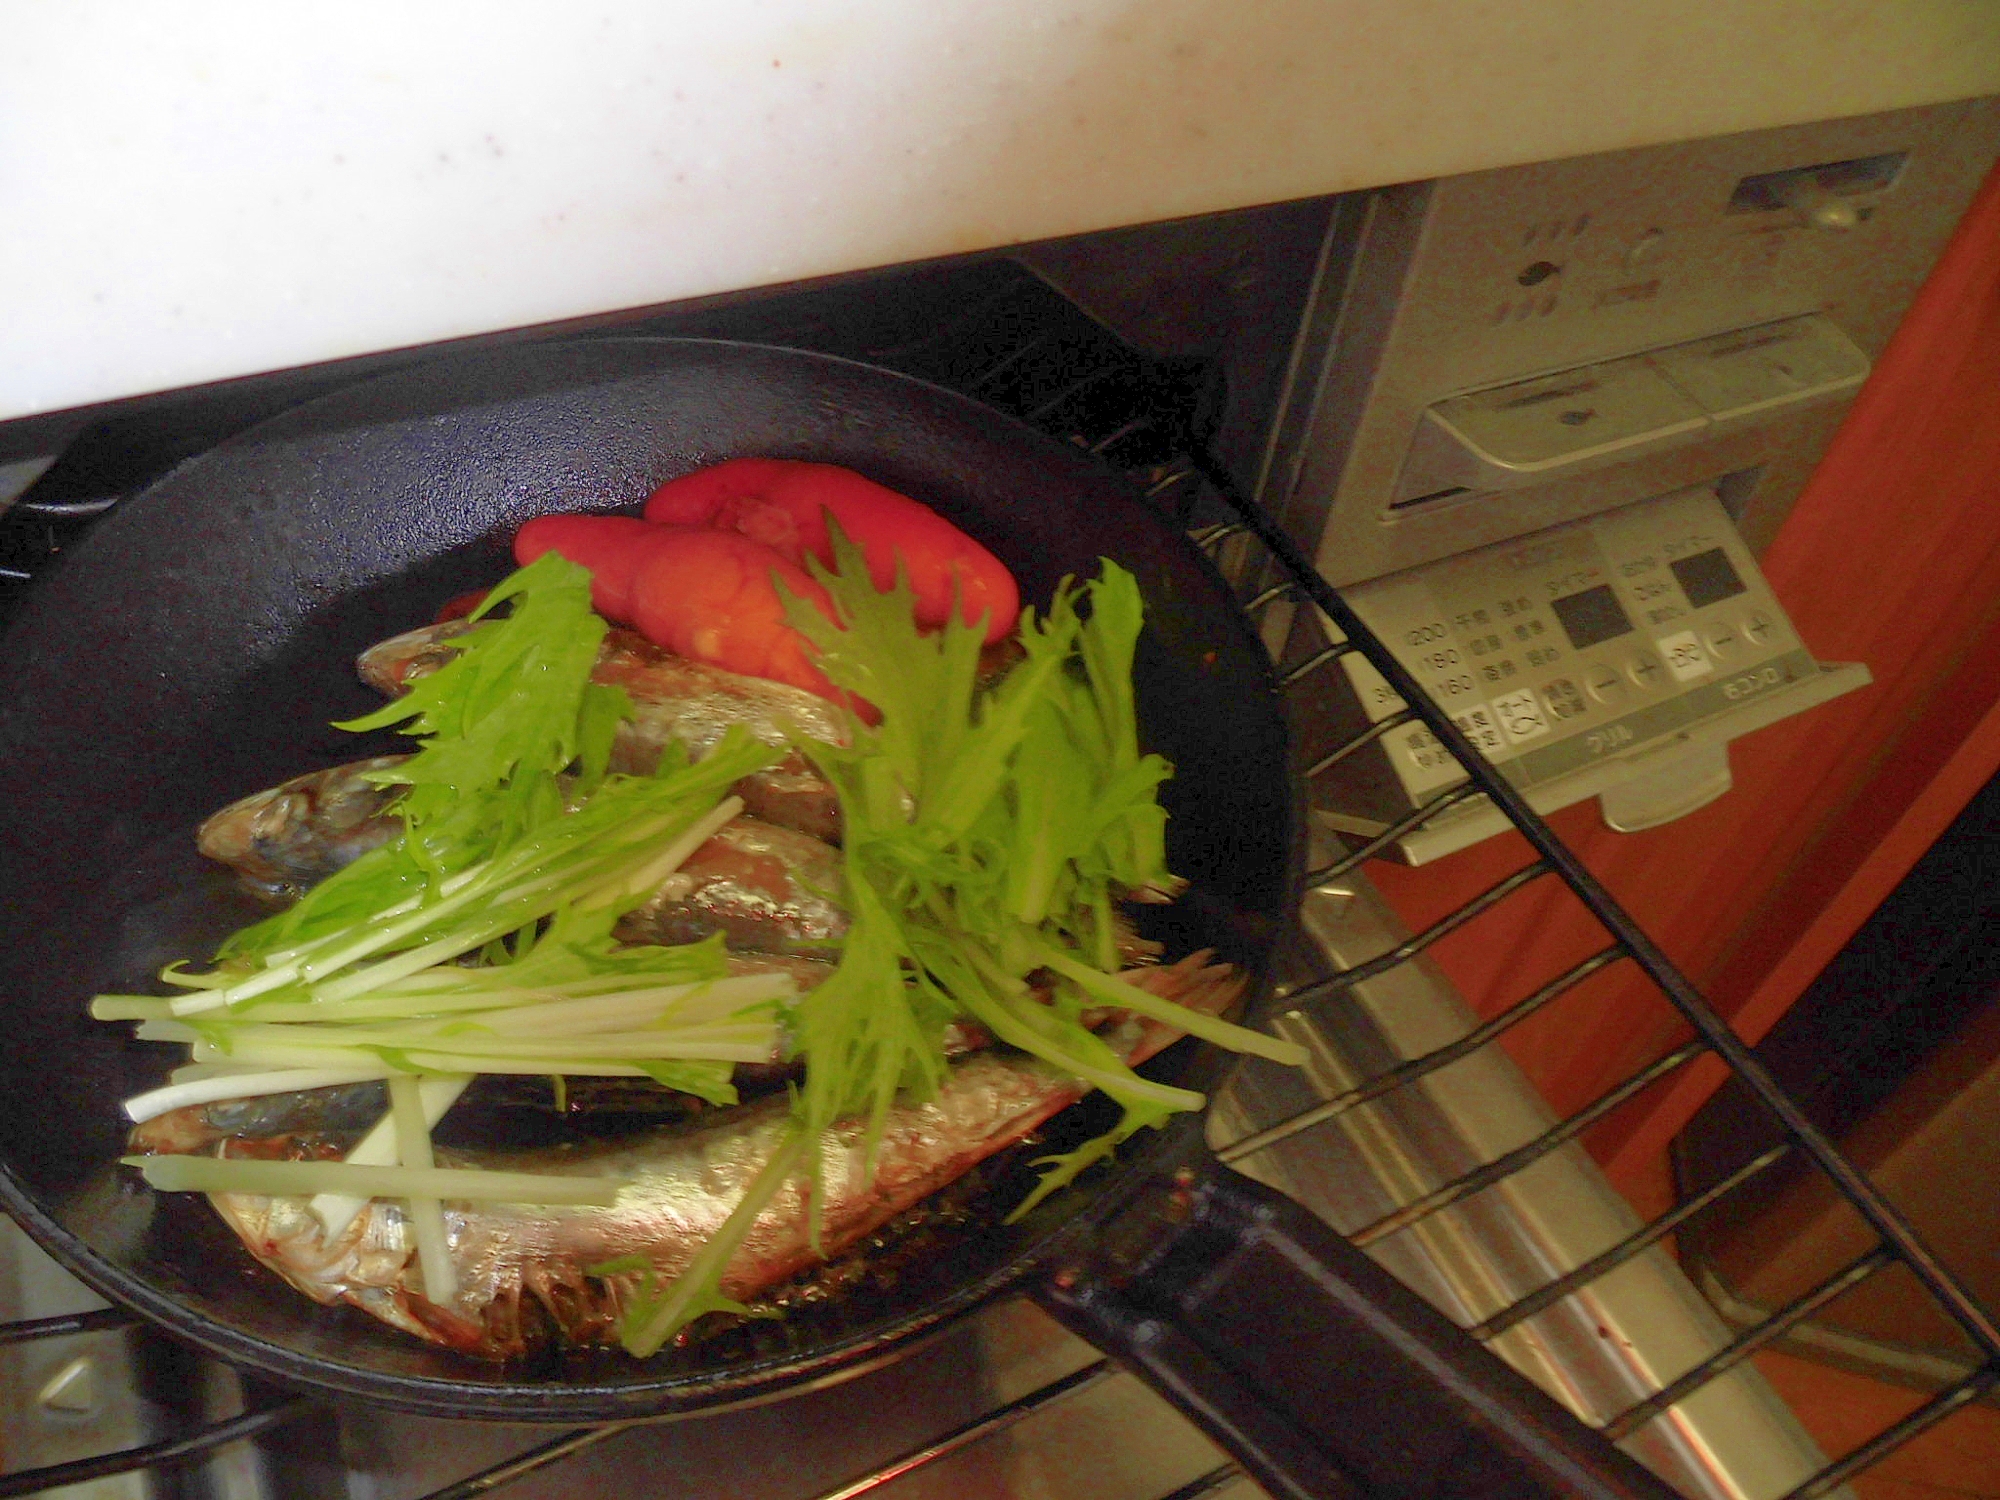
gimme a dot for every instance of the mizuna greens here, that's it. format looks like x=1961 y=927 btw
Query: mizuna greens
x=481 y=940
x=988 y=835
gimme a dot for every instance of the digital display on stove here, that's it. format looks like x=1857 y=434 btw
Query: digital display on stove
x=1706 y=577
x=1591 y=616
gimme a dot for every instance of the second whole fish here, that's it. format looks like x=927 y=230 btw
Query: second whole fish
x=766 y=888
x=294 y=834
x=525 y=1270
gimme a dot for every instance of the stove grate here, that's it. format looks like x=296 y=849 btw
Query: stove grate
x=1898 y=1243
x=169 y=1454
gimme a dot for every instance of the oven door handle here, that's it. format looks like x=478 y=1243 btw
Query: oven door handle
x=1315 y=1368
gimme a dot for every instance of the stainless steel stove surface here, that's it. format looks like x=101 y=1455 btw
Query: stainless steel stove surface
x=68 y=1397
x=1006 y=1404
x=941 y=1422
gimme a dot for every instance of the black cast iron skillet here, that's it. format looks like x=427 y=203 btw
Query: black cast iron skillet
x=197 y=645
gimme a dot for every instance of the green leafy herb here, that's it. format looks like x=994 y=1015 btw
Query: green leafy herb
x=987 y=836
x=983 y=833
x=482 y=939
x=513 y=731
x=511 y=711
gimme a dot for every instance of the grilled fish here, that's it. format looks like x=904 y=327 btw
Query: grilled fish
x=674 y=699
x=765 y=887
x=324 y=1123
x=523 y=1268
x=299 y=832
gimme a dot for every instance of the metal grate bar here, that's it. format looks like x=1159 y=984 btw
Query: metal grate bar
x=521 y=1465
x=65 y=510
x=1355 y=858
x=1015 y=356
x=1409 y=948
x=1925 y=1417
x=1211 y=538
x=1598 y=1265
x=1367 y=737
x=1258 y=603
x=1311 y=664
x=1213 y=1482
x=1041 y=410
x=1121 y=432
x=1481 y=1178
x=95 y=1321
x=971 y=1432
x=1419 y=1067
x=1883 y=1217
x=1749 y=1342
x=1189 y=483
x=155 y=1455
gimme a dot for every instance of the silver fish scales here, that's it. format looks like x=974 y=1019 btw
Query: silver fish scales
x=765 y=887
x=524 y=1268
x=304 y=829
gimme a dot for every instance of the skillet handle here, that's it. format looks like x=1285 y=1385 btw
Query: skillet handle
x=1318 y=1370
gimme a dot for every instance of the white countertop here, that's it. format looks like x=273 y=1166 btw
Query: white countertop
x=195 y=189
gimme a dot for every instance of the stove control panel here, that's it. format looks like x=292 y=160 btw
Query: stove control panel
x=1556 y=426
x=1572 y=658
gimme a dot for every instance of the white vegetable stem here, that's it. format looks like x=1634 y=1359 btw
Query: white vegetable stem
x=649 y=875
x=471 y=992
x=214 y=1174
x=510 y=890
x=600 y=1057
x=589 y=1024
x=155 y=1102
x=426 y=1214
x=336 y=1211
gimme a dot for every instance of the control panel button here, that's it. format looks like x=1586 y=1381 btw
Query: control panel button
x=1422 y=763
x=1723 y=639
x=1563 y=700
x=1605 y=685
x=1646 y=671
x=1479 y=726
x=1797 y=362
x=1521 y=715
x=1758 y=627
x=1686 y=658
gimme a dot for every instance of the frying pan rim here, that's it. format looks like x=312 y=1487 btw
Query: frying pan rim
x=755 y=1378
